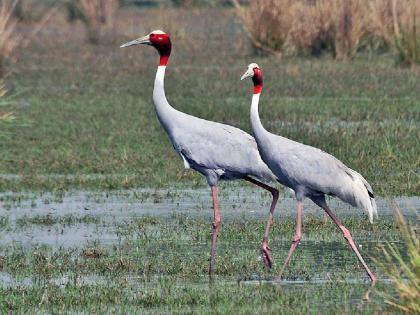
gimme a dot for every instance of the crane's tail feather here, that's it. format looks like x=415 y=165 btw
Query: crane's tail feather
x=363 y=196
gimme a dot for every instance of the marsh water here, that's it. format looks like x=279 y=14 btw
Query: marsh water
x=65 y=219
x=147 y=240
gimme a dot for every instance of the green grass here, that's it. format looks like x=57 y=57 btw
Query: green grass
x=160 y=266
x=50 y=219
x=88 y=110
x=222 y=299
x=403 y=267
x=85 y=120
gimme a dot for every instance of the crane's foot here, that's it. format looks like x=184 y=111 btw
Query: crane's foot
x=265 y=254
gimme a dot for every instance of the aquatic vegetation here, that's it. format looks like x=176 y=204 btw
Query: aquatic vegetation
x=147 y=251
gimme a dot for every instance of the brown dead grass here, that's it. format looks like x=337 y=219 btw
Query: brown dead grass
x=262 y=17
x=9 y=38
x=397 y=23
x=31 y=10
x=98 y=17
x=338 y=27
x=306 y=27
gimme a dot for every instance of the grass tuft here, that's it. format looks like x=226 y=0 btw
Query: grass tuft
x=307 y=27
x=402 y=266
x=341 y=28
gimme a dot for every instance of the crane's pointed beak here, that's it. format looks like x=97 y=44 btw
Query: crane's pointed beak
x=247 y=74
x=142 y=40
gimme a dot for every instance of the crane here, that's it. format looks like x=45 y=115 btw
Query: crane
x=217 y=151
x=310 y=172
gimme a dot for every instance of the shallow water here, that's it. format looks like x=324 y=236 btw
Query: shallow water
x=147 y=243
x=116 y=207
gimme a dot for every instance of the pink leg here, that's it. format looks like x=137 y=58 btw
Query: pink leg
x=216 y=223
x=296 y=238
x=349 y=239
x=265 y=250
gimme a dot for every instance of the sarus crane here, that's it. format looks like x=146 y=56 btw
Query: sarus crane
x=217 y=151
x=310 y=172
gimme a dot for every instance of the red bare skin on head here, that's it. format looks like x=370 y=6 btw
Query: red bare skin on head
x=258 y=80
x=163 y=45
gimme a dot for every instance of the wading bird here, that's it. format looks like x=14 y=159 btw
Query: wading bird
x=310 y=172
x=217 y=151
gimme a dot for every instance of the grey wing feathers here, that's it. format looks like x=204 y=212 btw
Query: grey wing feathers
x=317 y=170
x=353 y=174
x=221 y=147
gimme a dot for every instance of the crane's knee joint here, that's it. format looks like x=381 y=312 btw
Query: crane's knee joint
x=346 y=232
x=216 y=224
x=275 y=193
x=297 y=238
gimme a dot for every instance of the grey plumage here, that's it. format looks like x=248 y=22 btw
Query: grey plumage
x=218 y=151
x=313 y=173
x=309 y=171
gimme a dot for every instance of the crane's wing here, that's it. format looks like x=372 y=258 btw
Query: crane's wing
x=316 y=169
x=218 y=146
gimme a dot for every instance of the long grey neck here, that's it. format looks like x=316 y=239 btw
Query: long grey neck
x=164 y=111
x=257 y=128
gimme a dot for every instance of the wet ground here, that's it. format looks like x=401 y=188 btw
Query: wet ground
x=79 y=217
x=150 y=240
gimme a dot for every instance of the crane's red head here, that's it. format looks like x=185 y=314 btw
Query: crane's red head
x=255 y=73
x=158 y=39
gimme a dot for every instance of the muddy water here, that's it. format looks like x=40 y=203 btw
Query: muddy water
x=116 y=207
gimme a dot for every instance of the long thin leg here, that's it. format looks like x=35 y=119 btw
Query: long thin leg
x=265 y=250
x=296 y=238
x=216 y=224
x=349 y=239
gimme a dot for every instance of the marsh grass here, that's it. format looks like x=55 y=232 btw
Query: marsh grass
x=4 y=222
x=407 y=38
x=396 y=23
x=307 y=27
x=52 y=219
x=9 y=37
x=268 y=23
x=32 y=10
x=159 y=265
x=402 y=266
x=341 y=28
x=90 y=122
x=7 y=116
